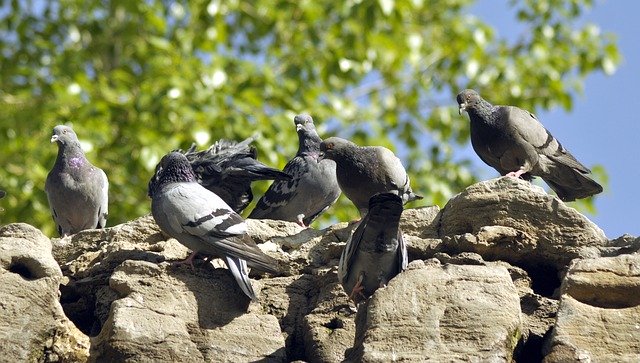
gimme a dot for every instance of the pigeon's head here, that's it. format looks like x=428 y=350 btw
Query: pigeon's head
x=303 y=122
x=467 y=99
x=334 y=147
x=63 y=135
x=172 y=168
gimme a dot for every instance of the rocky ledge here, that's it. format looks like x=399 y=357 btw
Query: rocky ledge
x=505 y=272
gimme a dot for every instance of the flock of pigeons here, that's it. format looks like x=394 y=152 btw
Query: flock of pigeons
x=196 y=196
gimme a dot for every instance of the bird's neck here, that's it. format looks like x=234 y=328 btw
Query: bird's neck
x=308 y=143
x=71 y=154
x=483 y=111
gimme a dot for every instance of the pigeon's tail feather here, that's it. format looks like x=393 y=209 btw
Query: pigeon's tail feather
x=572 y=184
x=243 y=247
x=410 y=196
x=254 y=170
x=238 y=268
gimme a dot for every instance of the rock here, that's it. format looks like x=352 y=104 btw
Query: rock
x=33 y=326
x=421 y=222
x=515 y=221
x=598 y=316
x=441 y=313
x=195 y=317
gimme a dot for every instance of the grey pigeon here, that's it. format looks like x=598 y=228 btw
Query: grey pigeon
x=227 y=168
x=514 y=142
x=202 y=221
x=313 y=187
x=78 y=192
x=363 y=171
x=376 y=251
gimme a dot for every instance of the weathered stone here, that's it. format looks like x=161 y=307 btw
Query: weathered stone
x=599 y=313
x=33 y=326
x=441 y=313
x=173 y=314
x=516 y=221
x=421 y=222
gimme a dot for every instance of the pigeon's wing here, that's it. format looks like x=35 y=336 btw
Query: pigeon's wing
x=396 y=174
x=193 y=210
x=103 y=212
x=403 y=257
x=281 y=192
x=350 y=249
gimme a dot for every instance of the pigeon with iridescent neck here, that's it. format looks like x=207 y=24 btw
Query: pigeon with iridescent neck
x=78 y=192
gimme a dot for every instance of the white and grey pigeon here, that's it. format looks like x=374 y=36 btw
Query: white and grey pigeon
x=376 y=251
x=516 y=144
x=227 y=168
x=363 y=171
x=202 y=221
x=313 y=187
x=78 y=192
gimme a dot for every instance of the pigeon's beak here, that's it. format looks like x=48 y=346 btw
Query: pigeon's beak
x=463 y=107
x=54 y=138
x=298 y=127
x=321 y=156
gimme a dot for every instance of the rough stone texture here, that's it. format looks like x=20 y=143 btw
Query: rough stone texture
x=489 y=290
x=516 y=221
x=599 y=313
x=169 y=314
x=443 y=313
x=33 y=326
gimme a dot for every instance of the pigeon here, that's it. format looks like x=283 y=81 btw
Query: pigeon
x=202 y=221
x=365 y=171
x=514 y=142
x=376 y=251
x=313 y=187
x=227 y=168
x=78 y=192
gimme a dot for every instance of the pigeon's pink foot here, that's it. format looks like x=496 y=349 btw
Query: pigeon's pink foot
x=300 y=221
x=357 y=291
x=516 y=174
x=187 y=261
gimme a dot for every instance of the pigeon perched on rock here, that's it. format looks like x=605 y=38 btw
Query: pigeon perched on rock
x=202 y=221
x=375 y=252
x=227 y=168
x=514 y=142
x=313 y=187
x=363 y=171
x=77 y=191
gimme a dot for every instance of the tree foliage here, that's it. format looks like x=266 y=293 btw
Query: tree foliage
x=139 y=78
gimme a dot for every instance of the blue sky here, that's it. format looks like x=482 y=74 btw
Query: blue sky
x=603 y=127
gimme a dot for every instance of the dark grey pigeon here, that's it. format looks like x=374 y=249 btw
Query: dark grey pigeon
x=313 y=187
x=202 y=221
x=78 y=192
x=514 y=142
x=227 y=168
x=363 y=171
x=375 y=252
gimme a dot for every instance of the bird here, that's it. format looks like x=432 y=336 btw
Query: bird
x=363 y=171
x=376 y=251
x=516 y=144
x=227 y=168
x=202 y=221
x=313 y=187
x=78 y=192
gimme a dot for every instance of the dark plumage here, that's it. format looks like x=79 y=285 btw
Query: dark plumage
x=375 y=252
x=313 y=187
x=227 y=168
x=514 y=142
x=363 y=171
x=2 y=194
x=203 y=222
x=78 y=192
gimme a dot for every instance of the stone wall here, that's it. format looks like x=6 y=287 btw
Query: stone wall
x=504 y=272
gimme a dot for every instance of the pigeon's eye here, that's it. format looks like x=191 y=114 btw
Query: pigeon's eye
x=330 y=146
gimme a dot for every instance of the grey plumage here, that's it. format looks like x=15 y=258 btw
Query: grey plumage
x=515 y=143
x=78 y=192
x=363 y=171
x=376 y=251
x=202 y=221
x=313 y=187
x=227 y=168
